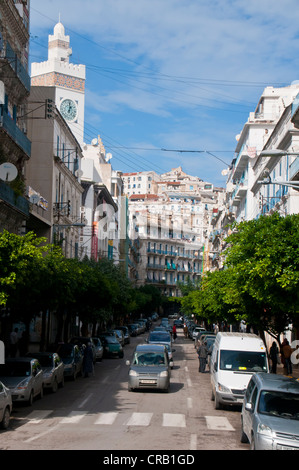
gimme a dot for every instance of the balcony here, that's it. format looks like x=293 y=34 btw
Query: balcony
x=17 y=66
x=294 y=168
x=9 y=197
x=14 y=132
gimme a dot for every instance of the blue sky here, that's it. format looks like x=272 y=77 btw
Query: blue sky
x=173 y=74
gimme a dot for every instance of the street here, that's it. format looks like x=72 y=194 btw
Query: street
x=99 y=413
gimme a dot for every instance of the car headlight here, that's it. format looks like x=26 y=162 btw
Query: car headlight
x=265 y=430
x=23 y=385
x=222 y=388
x=133 y=373
x=164 y=373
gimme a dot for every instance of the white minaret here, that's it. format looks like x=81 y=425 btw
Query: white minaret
x=68 y=80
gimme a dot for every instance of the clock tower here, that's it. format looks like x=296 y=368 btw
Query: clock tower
x=68 y=80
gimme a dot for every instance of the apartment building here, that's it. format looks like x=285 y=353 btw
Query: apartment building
x=170 y=229
x=15 y=147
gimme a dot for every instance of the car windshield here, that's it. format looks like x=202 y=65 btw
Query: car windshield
x=66 y=351
x=243 y=361
x=149 y=359
x=15 y=369
x=280 y=404
x=111 y=339
x=160 y=337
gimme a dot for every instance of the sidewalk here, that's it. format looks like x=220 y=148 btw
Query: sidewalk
x=295 y=373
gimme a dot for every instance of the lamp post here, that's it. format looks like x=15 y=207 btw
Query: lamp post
x=276 y=153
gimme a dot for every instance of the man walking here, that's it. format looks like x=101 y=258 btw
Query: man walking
x=202 y=356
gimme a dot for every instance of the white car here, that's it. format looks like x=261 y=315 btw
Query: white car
x=5 y=406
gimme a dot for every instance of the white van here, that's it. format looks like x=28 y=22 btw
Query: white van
x=235 y=358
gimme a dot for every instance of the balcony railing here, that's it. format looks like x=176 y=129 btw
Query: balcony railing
x=10 y=127
x=19 y=203
x=17 y=66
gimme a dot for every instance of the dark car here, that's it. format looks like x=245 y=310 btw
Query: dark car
x=112 y=347
x=71 y=356
x=82 y=342
x=126 y=332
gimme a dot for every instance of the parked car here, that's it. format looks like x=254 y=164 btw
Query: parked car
x=82 y=342
x=5 y=406
x=179 y=323
x=270 y=413
x=149 y=368
x=53 y=369
x=126 y=333
x=235 y=358
x=120 y=336
x=196 y=330
x=112 y=347
x=99 y=348
x=134 y=329
x=24 y=377
x=71 y=357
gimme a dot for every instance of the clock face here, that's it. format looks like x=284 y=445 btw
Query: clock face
x=68 y=109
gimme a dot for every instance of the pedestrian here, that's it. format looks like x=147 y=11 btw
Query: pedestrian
x=23 y=343
x=202 y=356
x=185 y=330
x=287 y=352
x=274 y=357
x=87 y=360
x=13 y=340
x=281 y=351
x=174 y=334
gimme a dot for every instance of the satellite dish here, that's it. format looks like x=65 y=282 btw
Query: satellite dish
x=34 y=198
x=94 y=142
x=108 y=157
x=224 y=172
x=8 y=172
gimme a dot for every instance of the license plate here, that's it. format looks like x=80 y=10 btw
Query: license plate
x=147 y=381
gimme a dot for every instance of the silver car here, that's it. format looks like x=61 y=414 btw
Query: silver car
x=270 y=413
x=149 y=368
x=164 y=338
x=5 y=406
x=99 y=348
x=24 y=377
x=53 y=369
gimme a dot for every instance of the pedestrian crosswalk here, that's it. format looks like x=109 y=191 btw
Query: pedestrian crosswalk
x=108 y=418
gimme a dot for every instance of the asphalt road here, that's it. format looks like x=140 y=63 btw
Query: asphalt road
x=99 y=413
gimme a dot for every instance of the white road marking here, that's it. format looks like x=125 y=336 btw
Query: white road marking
x=193 y=442
x=140 y=419
x=73 y=417
x=218 y=423
x=38 y=415
x=85 y=401
x=174 y=420
x=189 y=403
x=106 y=418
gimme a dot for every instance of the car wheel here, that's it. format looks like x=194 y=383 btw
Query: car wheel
x=218 y=405
x=243 y=438
x=30 y=400
x=55 y=386
x=6 y=417
x=252 y=443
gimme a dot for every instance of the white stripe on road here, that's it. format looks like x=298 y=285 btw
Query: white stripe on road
x=106 y=418
x=85 y=401
x=193 y=442
x=140 y=419
x=73 y=417
x=218 y=423
x=38 y=415
x=189 y=403
x=174 y=420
